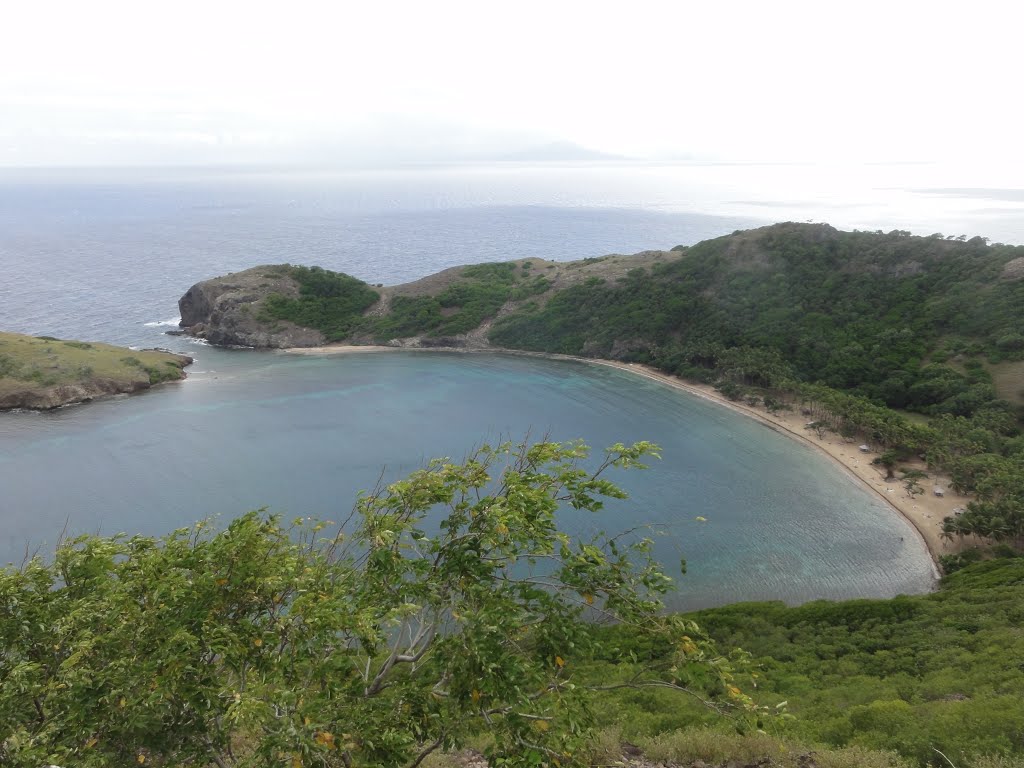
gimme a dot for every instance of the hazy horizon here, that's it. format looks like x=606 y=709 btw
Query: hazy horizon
x=121 y=83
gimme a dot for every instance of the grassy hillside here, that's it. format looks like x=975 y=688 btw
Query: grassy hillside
x=41 y=372
x=910 y=675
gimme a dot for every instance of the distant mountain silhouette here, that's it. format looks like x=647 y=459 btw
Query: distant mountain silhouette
x=558 y=151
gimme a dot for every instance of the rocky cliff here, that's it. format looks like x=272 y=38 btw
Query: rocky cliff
x=227 y=310
x=30 y=397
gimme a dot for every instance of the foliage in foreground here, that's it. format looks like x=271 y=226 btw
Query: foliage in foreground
x=455 y=608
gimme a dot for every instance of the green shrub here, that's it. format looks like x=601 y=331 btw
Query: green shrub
x=330 y=302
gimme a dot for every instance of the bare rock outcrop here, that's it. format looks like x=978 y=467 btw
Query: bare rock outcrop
x=227 y=311
x=34 y=398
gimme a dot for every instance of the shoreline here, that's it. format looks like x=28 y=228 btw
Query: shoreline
x=924 y=512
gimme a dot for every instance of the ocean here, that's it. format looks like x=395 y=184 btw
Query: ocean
x=104 y=255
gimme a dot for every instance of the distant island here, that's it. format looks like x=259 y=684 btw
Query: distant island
x=41 y=372
x=912 y=346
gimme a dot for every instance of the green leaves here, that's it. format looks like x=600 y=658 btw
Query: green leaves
x=331 y=302
x=263 y=644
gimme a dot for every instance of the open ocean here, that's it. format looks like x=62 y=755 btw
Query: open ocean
x=104 y=255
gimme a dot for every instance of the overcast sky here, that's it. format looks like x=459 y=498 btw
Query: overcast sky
x=102 y=81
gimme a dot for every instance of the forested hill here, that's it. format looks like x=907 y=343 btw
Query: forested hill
x=874 y=313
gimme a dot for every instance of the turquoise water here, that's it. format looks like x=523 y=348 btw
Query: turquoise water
x=104 y=255
x=302 y=435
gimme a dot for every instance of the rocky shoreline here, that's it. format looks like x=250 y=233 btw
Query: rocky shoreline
x=49 y=398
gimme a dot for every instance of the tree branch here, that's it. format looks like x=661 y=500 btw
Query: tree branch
x=426 y=751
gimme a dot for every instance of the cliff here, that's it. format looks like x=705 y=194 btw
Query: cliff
x=229 y=310
x=40 y=373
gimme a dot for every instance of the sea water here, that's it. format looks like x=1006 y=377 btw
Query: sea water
x=755 y=514
x=104 y=255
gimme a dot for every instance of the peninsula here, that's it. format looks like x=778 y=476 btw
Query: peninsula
x=909 y=346
x=41 y=372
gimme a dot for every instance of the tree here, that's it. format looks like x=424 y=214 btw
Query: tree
x=452 y=606
x=888 y=461
x=910 y=481
x=819 y=427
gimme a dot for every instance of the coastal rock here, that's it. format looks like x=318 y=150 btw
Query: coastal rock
x=226 y=311
x=47 y=398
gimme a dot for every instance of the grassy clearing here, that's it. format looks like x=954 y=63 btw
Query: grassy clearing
x=1008 y=379
x=40 y=362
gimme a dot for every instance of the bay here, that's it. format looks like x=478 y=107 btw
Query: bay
x=303 y=435
x=104 y=255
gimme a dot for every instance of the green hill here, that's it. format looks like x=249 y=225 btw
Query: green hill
x=862 y=312
x=43 y=372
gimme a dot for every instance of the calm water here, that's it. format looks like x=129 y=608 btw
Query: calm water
x=302 y=435
x=105 y=256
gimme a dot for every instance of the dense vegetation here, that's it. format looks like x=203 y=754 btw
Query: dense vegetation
x=912 y=674
x=334 y=303
x=872 y=314
x=452 y=607
x=331 y=302
x=475 y=297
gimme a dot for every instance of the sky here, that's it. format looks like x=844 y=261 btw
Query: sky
x=117 y=81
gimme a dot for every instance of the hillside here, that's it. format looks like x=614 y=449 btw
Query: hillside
x=43 y=372
x=921 y=323
x=859 y=330
x=875 y=314
x=282 y=305
x=910 y=674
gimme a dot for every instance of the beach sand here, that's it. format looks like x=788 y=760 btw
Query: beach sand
x=924 y=511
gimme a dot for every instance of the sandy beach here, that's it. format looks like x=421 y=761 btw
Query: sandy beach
x=925 y=511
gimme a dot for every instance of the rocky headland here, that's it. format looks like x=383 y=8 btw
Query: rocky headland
x=227 y=310
x=41 y=373
x=454 y=308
